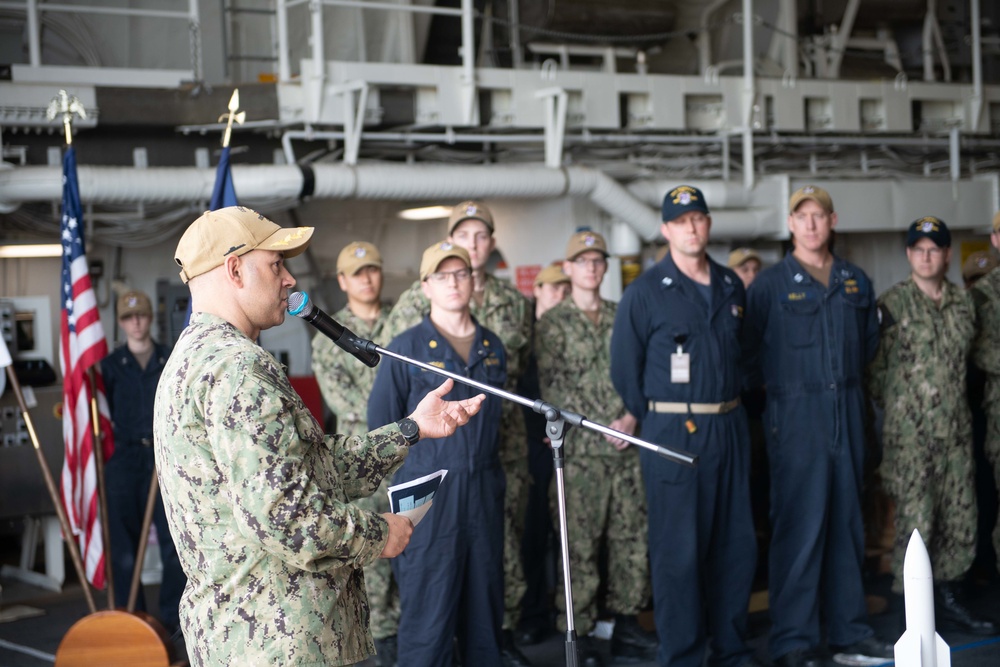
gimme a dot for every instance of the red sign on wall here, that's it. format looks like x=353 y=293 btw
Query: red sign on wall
x=525 y=276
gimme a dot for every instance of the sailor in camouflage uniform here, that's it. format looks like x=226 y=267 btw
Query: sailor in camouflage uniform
x=604 y=491
x=498 y=306
x=256 y=496
x=986 y=354
x=918 y=377
x=346 y=385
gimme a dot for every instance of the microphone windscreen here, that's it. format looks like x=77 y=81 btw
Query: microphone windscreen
x=297 y=302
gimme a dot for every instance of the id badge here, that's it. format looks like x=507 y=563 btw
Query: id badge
x=680 y=367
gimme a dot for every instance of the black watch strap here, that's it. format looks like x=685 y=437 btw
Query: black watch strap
x=410 y=430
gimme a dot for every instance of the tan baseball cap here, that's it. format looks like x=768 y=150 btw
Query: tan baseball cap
x=743 y=255
x=469 y=210
x=814 y=192
x=996 y=222
x=439 y=252
x=133 y=301
x=584 y=241
x=551 y=275
x=233 y=230
x=356 y=256
x=978 y=264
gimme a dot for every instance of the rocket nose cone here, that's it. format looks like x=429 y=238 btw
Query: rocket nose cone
x=916 y=562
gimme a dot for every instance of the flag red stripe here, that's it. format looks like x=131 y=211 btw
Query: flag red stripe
x=81 y=347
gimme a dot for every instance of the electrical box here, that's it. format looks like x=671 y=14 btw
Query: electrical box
x=23 y=490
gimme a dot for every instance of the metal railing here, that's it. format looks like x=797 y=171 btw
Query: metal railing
x=35 y=11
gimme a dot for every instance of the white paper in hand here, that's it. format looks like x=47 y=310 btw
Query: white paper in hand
x=412 y=499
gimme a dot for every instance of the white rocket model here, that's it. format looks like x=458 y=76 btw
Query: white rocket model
x=920 y=645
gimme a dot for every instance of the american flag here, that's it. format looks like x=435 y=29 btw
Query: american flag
x=81 y=346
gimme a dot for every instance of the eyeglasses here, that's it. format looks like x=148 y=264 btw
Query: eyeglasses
x=594 y=263
x=460 y=276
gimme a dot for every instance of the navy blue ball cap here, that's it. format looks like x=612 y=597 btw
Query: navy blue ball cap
x=931 y=228
x=682 y=199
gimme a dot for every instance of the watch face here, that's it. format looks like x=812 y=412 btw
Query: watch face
x=409 y=429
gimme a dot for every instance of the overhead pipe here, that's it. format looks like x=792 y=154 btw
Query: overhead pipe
x=397 y=182
x=705 y=37
x=839 y=41
x=977 y=66
x=749 y=95
x=718 y=194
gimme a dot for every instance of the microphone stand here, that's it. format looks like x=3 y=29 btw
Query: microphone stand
x=558 y=422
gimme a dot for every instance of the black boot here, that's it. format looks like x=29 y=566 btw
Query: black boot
x=385 y=652
x=588 y=653
x=510 y=655
x=629 y=642
x=952 y=611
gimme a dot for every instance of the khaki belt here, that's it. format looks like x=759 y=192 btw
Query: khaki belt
x=694 y=408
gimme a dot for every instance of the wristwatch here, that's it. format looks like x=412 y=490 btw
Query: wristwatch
x=410 y=430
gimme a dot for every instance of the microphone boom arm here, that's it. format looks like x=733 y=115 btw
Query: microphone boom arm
x=549 y=411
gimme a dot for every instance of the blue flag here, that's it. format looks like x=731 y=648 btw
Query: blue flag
x=223 y=195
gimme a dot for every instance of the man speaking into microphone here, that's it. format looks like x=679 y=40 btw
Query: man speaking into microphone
x=256 y=496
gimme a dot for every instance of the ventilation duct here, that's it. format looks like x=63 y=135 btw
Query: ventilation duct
x=125 y=185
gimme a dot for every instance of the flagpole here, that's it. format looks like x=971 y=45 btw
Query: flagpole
x=102 y=487
x=140 y=556
x=69 y=106
x=74 y=549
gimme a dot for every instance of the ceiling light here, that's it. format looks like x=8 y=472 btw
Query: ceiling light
x=31 y=250
x=426 y=213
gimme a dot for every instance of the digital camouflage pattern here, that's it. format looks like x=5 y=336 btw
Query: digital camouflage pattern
x=258 y=501
x=986 y=353
x=574 y=371
x=603 y=486
x=346 y=384
x=918 y=378
x=344 y=381
x=507 y=313
x=607 y=504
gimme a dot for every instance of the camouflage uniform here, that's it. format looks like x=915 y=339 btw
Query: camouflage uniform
x=346 y=384
x=918 y=377
x=986 y=353
x=506 y=312
x=258 y=500
x=604 y=492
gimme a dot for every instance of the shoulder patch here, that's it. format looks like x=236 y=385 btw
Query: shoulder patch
x=264 y=374
x=885 y=318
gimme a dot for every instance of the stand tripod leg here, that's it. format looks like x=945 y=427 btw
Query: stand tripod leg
x=558 y=461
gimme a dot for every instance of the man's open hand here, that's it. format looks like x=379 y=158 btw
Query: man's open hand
x=438 y=418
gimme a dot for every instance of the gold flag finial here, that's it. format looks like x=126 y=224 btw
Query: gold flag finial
x=232 y=116
x=67 y=105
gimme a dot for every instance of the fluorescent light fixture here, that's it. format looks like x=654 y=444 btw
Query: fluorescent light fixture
x=426 y=213
x=31 y=250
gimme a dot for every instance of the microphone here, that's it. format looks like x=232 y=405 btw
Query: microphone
x=299 y=305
